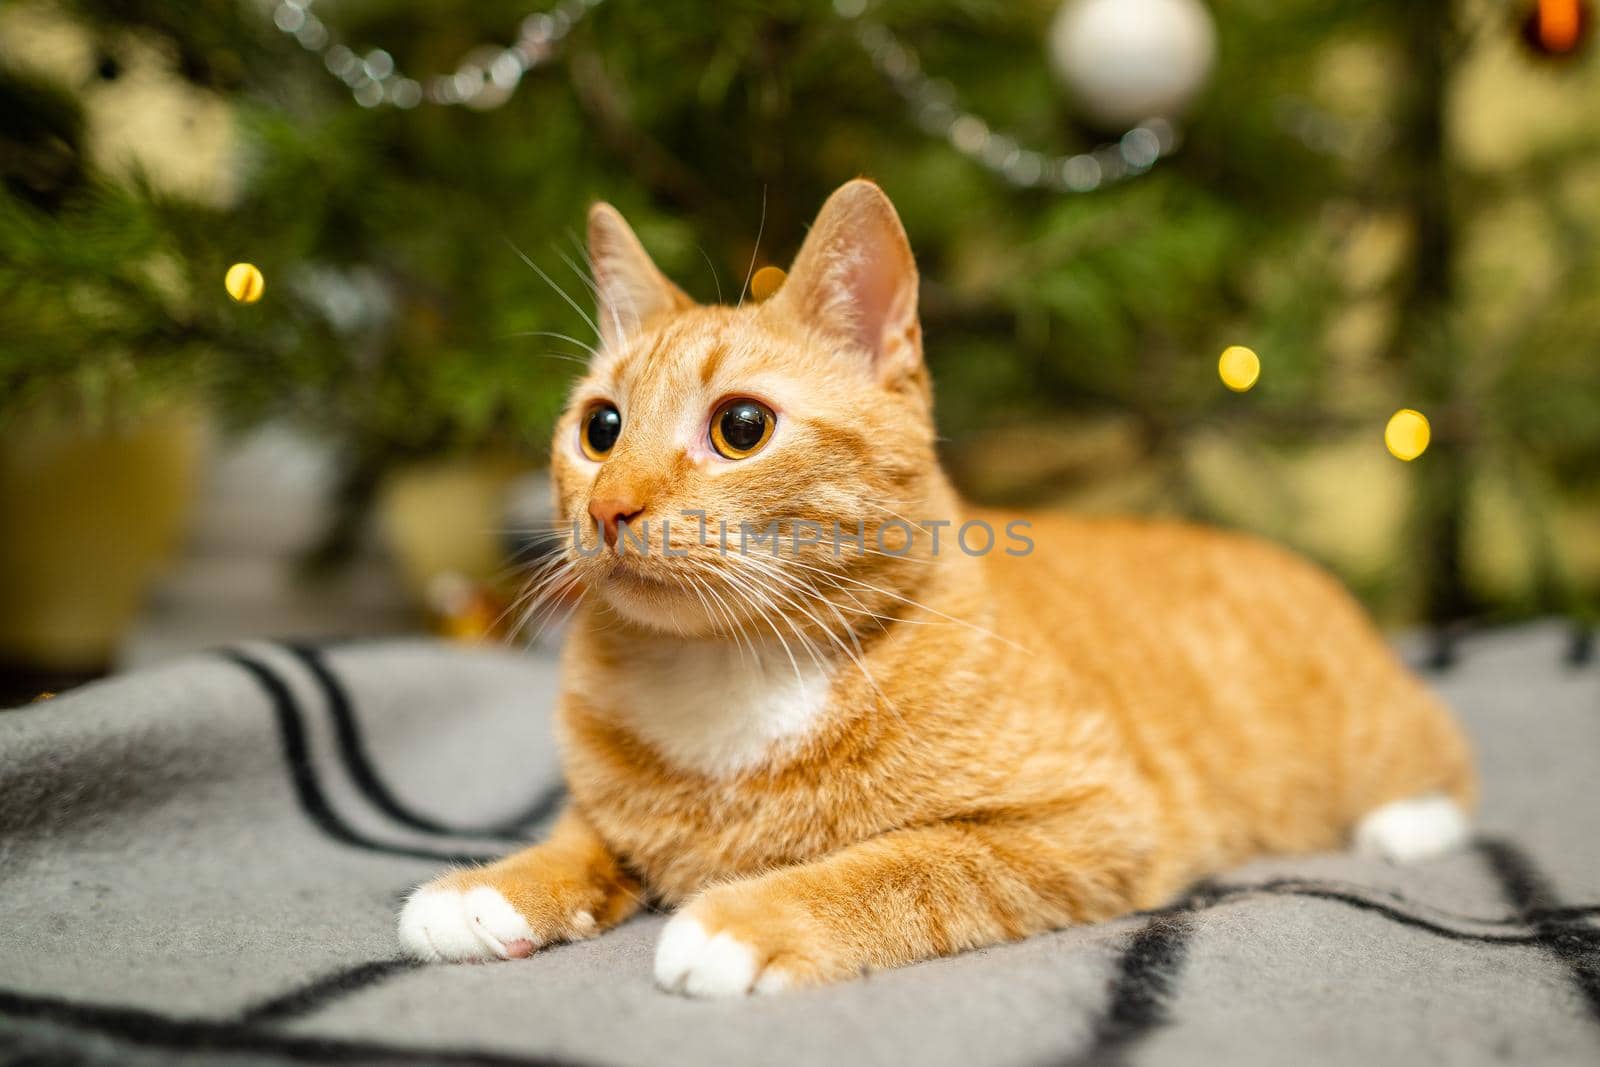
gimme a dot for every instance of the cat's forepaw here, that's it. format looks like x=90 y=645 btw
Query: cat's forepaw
x=456 y=920
x=691 y=960
x=464 y=925
x=705 y=951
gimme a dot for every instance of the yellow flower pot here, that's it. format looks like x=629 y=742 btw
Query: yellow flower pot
x=448 y=517
x=87 y=520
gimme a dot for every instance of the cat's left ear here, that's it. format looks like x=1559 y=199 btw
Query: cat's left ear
x=855 y=278
x=630 y=290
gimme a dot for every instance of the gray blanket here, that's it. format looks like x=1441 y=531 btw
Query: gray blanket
x=203 y=862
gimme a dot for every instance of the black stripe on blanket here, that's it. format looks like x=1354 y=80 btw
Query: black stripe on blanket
x=313 y=801
x=352 y=750
x=151 y=1030
x=1147 y=976
x=318 y=993
x=1393 y=906
x=1571 y=941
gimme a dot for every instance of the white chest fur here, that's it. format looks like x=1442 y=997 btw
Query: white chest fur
x=705 y=708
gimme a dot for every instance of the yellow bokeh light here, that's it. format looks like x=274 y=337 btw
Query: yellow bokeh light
x=767 y=280
x=1239 y=368
x=245 y=283
x=1407 y=434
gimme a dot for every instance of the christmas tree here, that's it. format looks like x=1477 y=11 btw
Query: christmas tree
x=1393 y=205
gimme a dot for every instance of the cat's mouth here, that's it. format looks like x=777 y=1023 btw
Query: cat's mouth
x=623 y=572
x=650 y=596
x=630 y=574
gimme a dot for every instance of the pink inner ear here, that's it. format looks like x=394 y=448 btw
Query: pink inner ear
x=854 y=277
x=872 y=287
x=870 y=294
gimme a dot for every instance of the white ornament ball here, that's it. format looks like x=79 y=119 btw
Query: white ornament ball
x=1129 y=60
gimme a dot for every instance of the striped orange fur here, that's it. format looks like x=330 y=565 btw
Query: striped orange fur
x=833 y=762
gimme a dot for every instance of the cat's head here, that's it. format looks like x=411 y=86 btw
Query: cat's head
x=812 y=407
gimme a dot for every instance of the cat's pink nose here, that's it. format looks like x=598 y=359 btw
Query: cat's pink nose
x=608 y=513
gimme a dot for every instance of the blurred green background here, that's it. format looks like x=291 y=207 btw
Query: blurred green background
x=1395 y=205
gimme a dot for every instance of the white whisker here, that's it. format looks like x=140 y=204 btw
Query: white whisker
x=754 y=252
x=857 y=656
x=714 y=276
x=591 y=349
x=552 y=283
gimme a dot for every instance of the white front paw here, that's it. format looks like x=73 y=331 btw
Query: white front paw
x=689 y=960
x=460 y=926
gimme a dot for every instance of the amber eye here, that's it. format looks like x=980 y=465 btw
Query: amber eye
x=601 y=428
x=740 y=427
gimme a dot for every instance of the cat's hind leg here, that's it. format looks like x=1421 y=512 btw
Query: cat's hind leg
x=1417 y=828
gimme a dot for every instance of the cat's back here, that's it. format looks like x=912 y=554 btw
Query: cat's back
x=1139 y=573
x=1184 y=607
x=1229 y=660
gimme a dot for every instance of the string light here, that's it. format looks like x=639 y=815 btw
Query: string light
x=1239 y=367
x=244 y=282
x=935 y=109
x=488 y=75
x=1407 y=434
x=485 y=78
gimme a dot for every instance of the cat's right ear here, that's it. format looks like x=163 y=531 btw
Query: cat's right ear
x=630 y=290
x=855 y=279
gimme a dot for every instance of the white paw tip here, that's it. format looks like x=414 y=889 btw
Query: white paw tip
x=449 y=925
x=690 y=961
x=773 y=980
x=1414 y=829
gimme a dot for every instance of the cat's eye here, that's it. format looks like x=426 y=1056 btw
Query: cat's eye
x=602 y=425
x=739 y=428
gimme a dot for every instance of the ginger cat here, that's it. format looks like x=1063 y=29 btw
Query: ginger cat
x=843 y=755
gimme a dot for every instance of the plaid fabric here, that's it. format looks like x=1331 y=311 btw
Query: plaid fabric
x=202 y=862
